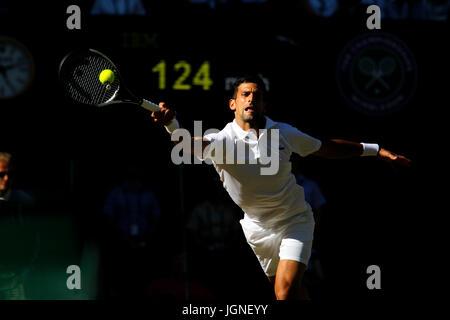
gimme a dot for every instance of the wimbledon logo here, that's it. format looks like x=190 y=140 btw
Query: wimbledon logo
x=377 y=74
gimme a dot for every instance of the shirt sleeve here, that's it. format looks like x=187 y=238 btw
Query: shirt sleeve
x=217 y=140
x=301 y=143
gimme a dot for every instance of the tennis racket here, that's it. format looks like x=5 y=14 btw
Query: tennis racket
x=79 y=75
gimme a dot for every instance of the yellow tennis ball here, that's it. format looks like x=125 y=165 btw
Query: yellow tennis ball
x=106 y=76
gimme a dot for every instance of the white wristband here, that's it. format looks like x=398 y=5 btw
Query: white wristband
x=370 y=149
x=172 y=126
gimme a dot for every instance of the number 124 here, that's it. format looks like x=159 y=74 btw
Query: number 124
x=201 y=78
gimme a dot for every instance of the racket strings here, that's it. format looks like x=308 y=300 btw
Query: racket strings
x=82 y=79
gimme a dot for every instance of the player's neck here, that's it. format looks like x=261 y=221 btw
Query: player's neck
x=256 y=124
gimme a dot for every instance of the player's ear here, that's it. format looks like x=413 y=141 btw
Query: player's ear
x=232 y=103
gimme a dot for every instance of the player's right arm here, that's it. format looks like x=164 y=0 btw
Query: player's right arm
x=165 y=116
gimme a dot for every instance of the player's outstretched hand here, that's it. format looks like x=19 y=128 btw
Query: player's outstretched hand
x=163 y=116
x=393 y=159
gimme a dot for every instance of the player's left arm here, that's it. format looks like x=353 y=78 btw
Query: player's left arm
x=341 y=149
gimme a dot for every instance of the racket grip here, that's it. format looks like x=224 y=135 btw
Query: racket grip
x=172 y=126
x=149 y=105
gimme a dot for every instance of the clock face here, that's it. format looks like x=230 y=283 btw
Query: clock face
x=16 y=68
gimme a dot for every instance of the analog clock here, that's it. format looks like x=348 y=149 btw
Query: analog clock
x=16 y=68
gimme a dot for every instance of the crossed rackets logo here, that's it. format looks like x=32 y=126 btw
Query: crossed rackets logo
x=377 y=72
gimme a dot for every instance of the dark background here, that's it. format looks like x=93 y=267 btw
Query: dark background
x=375 y=215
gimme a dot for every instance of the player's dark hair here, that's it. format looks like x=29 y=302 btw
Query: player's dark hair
x=249 y=79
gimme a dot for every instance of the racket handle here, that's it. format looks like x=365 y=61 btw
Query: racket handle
x=150 y=105
x=173 y=125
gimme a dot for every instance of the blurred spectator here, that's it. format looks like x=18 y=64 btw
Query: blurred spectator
x=132 y=217
x=172 y=285
x=214 y=3
x=411 y=9
x=323 y=8
x=118 y=7
x=314 y=276
x=7 y=193
x=313 y=194
x=390 y=9
x=19 y=242
x=213 y=223
x=214 y=231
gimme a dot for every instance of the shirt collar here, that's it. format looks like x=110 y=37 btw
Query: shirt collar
x=241 y=134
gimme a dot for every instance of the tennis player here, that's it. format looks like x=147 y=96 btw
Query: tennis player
x=278 y=223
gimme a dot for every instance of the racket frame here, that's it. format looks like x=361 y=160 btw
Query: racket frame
x=122 y=93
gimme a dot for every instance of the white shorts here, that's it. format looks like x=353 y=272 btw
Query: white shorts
x=291 y=240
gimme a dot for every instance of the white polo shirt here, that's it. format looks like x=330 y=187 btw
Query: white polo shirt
x=265 y=199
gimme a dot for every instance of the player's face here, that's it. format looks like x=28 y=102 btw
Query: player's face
x=4 y=176
x=248 y=105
